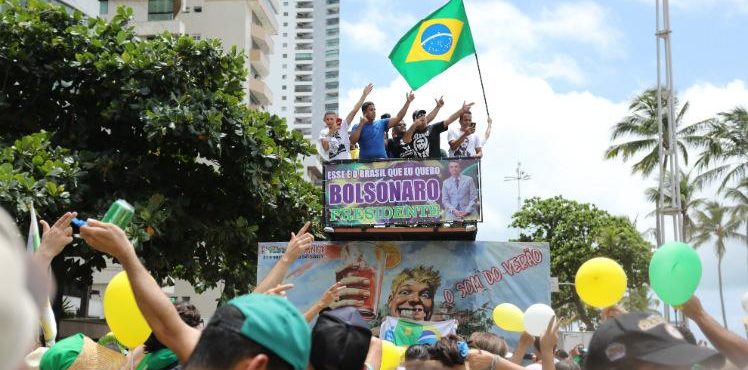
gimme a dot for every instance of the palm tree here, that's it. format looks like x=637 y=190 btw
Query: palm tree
x=688 y=199
x=740 y=209
x=712 y=222
x=641 y=125
x=725 y=143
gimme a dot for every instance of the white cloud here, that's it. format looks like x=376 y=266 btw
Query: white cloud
x=712 y=99
x=561 y=67
x=585 y=22
x=365 y=34
x=501 y=28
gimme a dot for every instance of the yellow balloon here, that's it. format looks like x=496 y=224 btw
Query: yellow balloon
x=509 y=317
x=392 y=355
x=600 y=282
x=122 y=313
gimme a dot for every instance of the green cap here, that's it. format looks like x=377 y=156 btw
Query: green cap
x=62 y=355
x=277 y=325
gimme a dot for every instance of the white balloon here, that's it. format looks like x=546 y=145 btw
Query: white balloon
x=537 y=318
x=745 y=301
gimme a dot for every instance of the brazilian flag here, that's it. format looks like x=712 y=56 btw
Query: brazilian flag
x=434 y=44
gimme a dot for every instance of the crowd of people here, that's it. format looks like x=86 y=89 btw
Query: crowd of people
x=263 y=330
x=390 y=137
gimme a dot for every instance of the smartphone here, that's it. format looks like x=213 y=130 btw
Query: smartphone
x=472 y=124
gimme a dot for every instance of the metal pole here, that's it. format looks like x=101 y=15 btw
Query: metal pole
x=667 y=133
x=480 y=76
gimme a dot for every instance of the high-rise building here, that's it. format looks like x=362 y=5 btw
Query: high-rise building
x=88 y=7
x=306 y=69
x=247 y=24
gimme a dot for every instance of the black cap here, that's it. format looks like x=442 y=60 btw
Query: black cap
x=340 y=340
x=418 y=113
x=645 y=337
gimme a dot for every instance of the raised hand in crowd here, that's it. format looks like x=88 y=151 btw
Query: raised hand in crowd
x=55 y=238
x=456 y=115
x=155 y=306
x=430 y=117
x=525 y=340
x=299 y=243
x=329 y=297
x=548 y=344
x=280 y=290
x=409 y=97
x=357 y=106
x=728 y=343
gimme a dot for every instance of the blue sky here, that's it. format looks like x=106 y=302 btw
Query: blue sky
x=558 y=75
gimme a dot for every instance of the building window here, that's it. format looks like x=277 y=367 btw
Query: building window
x=333 y=21
x=332 y=42
x=333 y=32
x=331 y=107
x=285 y=56
x=283 y=77
x=285 y=24
x=196 y=37
x=103 y=7
x=331 y=2
x=303 y=56
x=284 y=98
x=331 y=85
x=332 y=64
x=285 y=34
x=285 y=14
x=160 y=10
x=332 y=52
x=285 y=44
x=284 y=108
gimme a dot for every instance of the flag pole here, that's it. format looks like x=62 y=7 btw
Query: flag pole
x=480 y=76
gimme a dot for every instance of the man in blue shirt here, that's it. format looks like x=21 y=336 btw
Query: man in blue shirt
x=370 y=133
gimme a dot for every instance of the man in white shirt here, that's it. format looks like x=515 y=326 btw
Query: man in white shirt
x=463 y=141
x=459 y=195
x=335 y=138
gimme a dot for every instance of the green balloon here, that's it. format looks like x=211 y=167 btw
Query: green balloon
x=675 y=272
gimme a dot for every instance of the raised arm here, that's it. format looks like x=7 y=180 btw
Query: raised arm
x=296 y=246
x=439 y=104
x=456 y=115
x=331 y=295
x=525 y=340
x=357 y=107
x=54 y=240
x=401 y=114
x=488 y=129
x=408 y=136
x=155 y=306
x=356 y=133
x=728 y=343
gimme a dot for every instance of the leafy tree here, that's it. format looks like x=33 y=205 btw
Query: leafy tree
x=713 y=223
x=739 y=194
x=725 y=143
x=157 y=122
x=689 y=186
x=642 y=128
x=576 y=233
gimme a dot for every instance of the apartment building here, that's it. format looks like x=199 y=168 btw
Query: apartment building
x=247 y=24
x=305 y=75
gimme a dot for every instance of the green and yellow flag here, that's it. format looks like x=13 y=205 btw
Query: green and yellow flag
x=434 y=44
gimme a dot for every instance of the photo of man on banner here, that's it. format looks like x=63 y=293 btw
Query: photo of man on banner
x=459 y=195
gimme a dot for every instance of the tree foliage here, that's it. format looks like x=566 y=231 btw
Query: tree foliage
x=157 y=122
x=576 y=233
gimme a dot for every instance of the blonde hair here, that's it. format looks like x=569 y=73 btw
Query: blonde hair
x=421 y=274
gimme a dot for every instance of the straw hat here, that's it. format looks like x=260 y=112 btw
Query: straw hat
x=79 y=352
